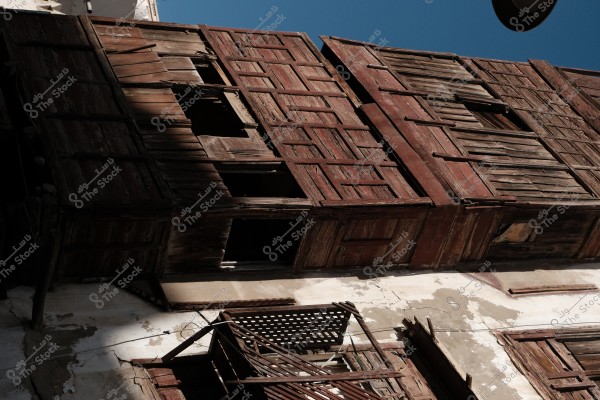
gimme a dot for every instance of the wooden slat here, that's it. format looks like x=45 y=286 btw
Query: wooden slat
x=409 y=157
x=530 y=113
x=585 y=106
x=344 y=376
x=552 y=288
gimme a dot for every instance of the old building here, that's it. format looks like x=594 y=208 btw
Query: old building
x=170 y=159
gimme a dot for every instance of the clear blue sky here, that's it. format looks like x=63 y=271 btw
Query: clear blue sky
x=569 y=37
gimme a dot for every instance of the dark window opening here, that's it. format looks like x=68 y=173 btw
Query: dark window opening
x=491 y=118
x=208 y=72
x=196 y=377
x=265 y=241
x=273 y=181
x=210 y=114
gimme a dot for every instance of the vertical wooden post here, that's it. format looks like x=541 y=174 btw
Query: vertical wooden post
x=431 y=331
x=39 y=298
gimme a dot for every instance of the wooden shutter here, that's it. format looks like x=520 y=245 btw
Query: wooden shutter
x=552 y=361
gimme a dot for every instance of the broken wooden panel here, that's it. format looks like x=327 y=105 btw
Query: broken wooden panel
x=556 y=232
x=412 y=383
x=445 y=83
x=284 y=352
x=434 y=363
x=125 y=36
x=309 y=117
x=151 y=53
x=182 y=69
x=133 y=57
x=298 y=366
x=411 y=116
x=235 y=149
x=166 y=130
x=578 y=88
x=558 y=363
x=562 y=131
x=588 y=81
x=174 y=41
x=474 y=123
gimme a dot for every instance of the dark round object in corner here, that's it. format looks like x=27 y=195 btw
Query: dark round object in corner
x=523 y=15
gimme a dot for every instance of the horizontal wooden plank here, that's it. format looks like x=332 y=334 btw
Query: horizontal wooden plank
x=552 y=288
x=134 y=58
x=178 y=63
x=430 y=122
x=379 y=202
x=312 y=93
x=573 y=386
x=139 y=69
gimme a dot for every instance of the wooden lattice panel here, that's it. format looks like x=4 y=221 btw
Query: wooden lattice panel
x=297 y=330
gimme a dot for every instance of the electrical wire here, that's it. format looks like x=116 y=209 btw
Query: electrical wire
x=383 y=329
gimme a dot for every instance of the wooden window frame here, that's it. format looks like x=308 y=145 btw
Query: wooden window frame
x=536 y=350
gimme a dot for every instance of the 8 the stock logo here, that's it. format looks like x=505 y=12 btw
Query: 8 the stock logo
x=523 y=15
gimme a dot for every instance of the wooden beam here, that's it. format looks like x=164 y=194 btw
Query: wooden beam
x=458 y=158
x=187 y=343
x=440 y=366
x=551 y=289
x=343 y=376
x=421 y=121
x=570 y=387
x=132 y=49
x=39 y=297
x=372 y=202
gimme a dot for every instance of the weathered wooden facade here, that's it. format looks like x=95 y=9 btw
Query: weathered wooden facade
x=298 y=352
x=231 y=149
x=559 y=363
x=519 y=155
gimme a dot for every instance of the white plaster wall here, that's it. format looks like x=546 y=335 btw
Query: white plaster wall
x=130 y=9
x=128 y=327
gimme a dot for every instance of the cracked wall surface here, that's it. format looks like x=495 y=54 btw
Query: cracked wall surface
x=95 y=346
